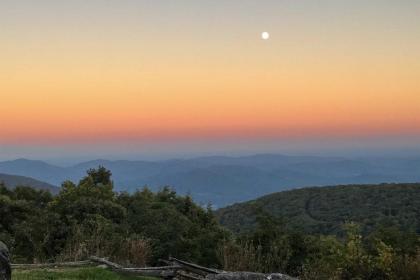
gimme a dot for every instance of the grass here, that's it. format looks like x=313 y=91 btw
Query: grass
x=72 y=274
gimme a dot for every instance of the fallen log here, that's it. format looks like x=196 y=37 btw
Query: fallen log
x=169 y=267
x=149 y=273
x=162 y=272
x=248 y=276
x=50 y=265
x=165 y=262
x=215 y=274
x=197 y=269
x=105 y=262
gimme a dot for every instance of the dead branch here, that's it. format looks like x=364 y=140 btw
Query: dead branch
x=170 y=267
x=200 y=270
x=49 y=265
x=105 y=262
x=162 y=272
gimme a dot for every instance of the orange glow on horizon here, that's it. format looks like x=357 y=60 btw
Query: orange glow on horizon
x=66 y=84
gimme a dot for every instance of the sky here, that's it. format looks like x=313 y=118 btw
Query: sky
x=163 y=78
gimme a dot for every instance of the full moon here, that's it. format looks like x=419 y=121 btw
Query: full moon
x=265 y=35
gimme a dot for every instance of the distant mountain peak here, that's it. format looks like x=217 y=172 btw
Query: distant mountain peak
x=12 y=181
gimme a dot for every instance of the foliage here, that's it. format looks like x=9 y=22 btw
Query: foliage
x=324 y=210
x=273 y=247
x=91 y=219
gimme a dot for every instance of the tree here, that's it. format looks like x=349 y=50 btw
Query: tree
x=100 y=176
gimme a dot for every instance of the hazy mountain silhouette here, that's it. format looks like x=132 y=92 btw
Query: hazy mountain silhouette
x=224 y=180
x=12 y=181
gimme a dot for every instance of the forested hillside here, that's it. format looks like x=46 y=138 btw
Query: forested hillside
x=323 y=210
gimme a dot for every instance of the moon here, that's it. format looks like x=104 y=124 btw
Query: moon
x=265 y=35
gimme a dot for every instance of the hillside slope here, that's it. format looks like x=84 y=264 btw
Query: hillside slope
x=325 y=209
x=12 y=181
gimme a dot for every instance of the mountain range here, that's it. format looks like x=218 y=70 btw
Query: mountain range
x=225 y=180
x=12 y=181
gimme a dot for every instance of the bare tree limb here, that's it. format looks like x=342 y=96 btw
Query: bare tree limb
x=201 y=270
x=163 y=272
x=48 y=265
x=105 y=262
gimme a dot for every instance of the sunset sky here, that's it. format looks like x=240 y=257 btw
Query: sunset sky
x=117 y=78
